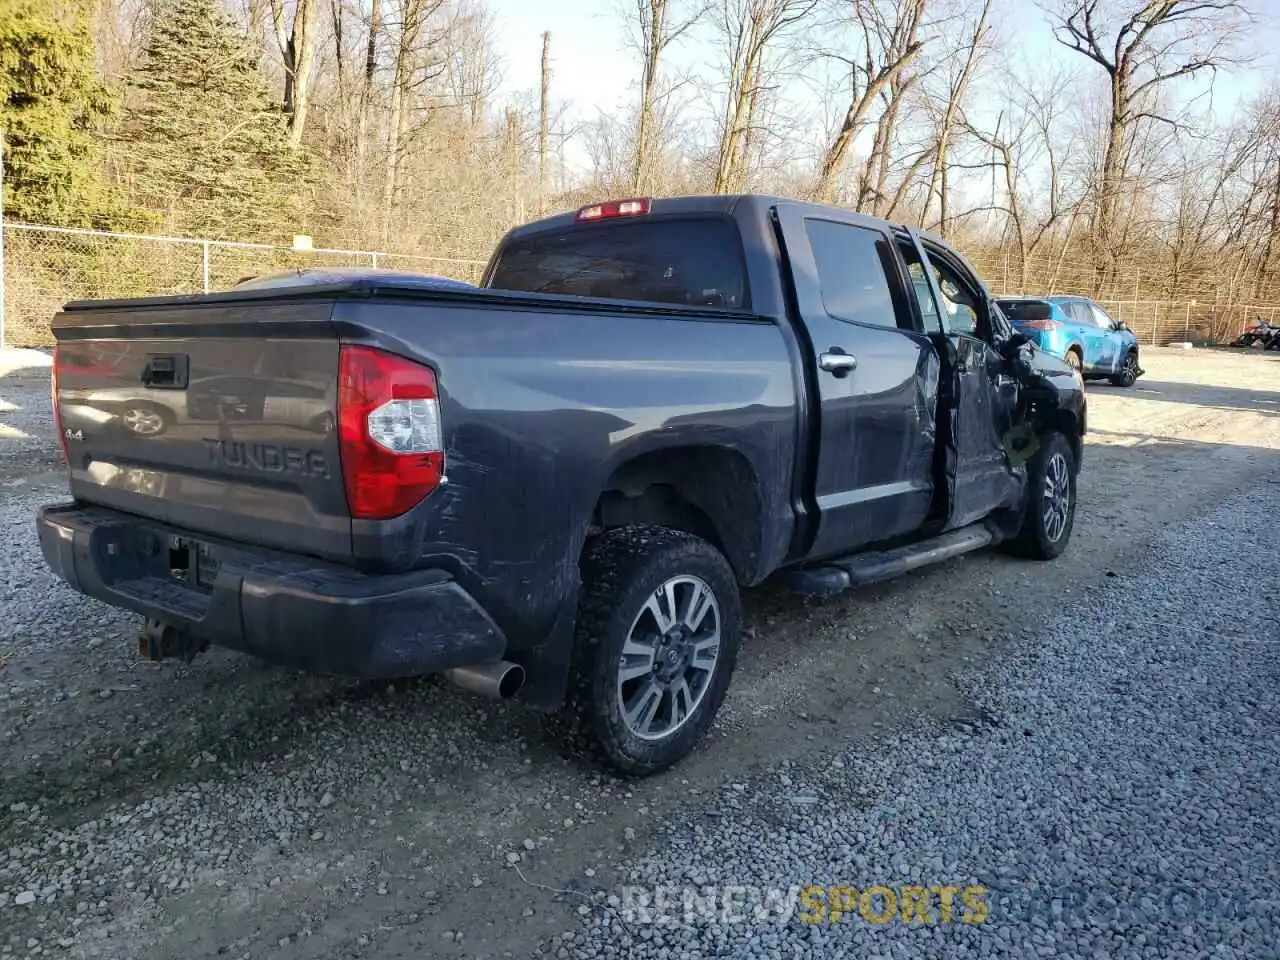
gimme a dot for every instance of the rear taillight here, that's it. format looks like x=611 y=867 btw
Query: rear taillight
x=57 y=410
x=616 y=208
x=388 y=432
x=1041 y=324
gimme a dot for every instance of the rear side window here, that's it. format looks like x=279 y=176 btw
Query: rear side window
x=1076 y=311
x=696 y=262
x=1101 y=319
x=851 y=272
x=1025 y=311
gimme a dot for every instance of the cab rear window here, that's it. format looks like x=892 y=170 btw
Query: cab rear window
x=694 y=262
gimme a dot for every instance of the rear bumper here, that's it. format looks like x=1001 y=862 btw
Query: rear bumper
x=288 y=609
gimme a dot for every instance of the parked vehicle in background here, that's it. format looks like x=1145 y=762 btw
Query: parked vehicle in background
x=551 y=488
x=1079 y=331
x=1263 y=334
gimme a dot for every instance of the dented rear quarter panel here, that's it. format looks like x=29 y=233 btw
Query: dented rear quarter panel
x=541 y=402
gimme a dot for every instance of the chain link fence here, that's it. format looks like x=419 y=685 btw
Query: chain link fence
x=45 y=267
x=1202 y=305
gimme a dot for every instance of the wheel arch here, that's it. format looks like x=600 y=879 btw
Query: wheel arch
x=708 y=490
x=1070 y=425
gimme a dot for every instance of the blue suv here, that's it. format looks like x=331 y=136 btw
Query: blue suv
x=1080 y=332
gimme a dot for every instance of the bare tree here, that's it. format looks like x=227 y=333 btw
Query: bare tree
x=471 y=72
x=119 y=34
x=889 y=40
x=1143 y=46
x=749 y=29
x=1029 y=144
x=957 y=88
x=655 y=25
x=873 y=181
x=296 y=37
x=417 y=60
x=544 y=119
x=1263 y=176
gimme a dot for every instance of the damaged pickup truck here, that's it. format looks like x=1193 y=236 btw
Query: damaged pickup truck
x=552 y=487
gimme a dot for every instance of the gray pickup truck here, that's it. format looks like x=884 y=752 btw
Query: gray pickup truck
x=551 y=487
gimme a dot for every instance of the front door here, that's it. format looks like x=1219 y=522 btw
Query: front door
x=874 y=379
x=1110 y=340
x=1093 y=341
x=979 y=398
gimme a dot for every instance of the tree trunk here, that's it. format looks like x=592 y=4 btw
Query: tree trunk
x=653 y=33
x=297 y=51
x=882 y=153
x=391 y=174
x=737 y=110
x=900 y=194
x=743 y=164
x=1275 y=223
x=543 y=120
x=396 y=123
x=939 y=179
x=833 y=158
x=301 y=42
x=366 y=90
x=891 y=44
x=1110 y=183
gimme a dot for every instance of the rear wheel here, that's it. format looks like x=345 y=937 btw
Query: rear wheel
x=1128 y=374
x=657 y=640
x=1074 y=360
x=1049 y=510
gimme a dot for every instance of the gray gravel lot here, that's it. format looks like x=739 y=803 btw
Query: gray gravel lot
x=227 y=808
x=1119 y=798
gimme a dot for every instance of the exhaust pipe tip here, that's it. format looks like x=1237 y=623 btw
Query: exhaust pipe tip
x=511 y=682
x=499 y=681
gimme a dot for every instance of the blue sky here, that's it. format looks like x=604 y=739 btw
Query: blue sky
x=594 y=70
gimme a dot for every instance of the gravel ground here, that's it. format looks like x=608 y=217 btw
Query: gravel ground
x=224 y=807
x=1117 y=801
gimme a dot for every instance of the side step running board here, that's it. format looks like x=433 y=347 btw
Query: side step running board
x=859 y=569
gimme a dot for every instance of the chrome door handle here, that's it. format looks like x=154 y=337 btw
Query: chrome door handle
x=837 y=363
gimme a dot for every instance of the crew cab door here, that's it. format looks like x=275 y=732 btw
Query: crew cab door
x=978 y=398
x=873 y=379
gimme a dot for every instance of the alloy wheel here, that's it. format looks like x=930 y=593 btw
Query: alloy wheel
x=1057 y=497
x=669 y=658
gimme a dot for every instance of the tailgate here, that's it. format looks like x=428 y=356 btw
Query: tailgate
x=215 y=417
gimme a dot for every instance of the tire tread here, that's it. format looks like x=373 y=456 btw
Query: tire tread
x=612 y=564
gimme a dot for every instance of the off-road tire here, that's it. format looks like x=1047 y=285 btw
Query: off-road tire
x=1033 y=540
x=621 y=570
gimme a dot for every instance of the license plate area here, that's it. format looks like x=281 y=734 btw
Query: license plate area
x=190 y=563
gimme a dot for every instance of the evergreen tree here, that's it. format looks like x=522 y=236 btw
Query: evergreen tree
x=51 y=107
x=207 y=151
